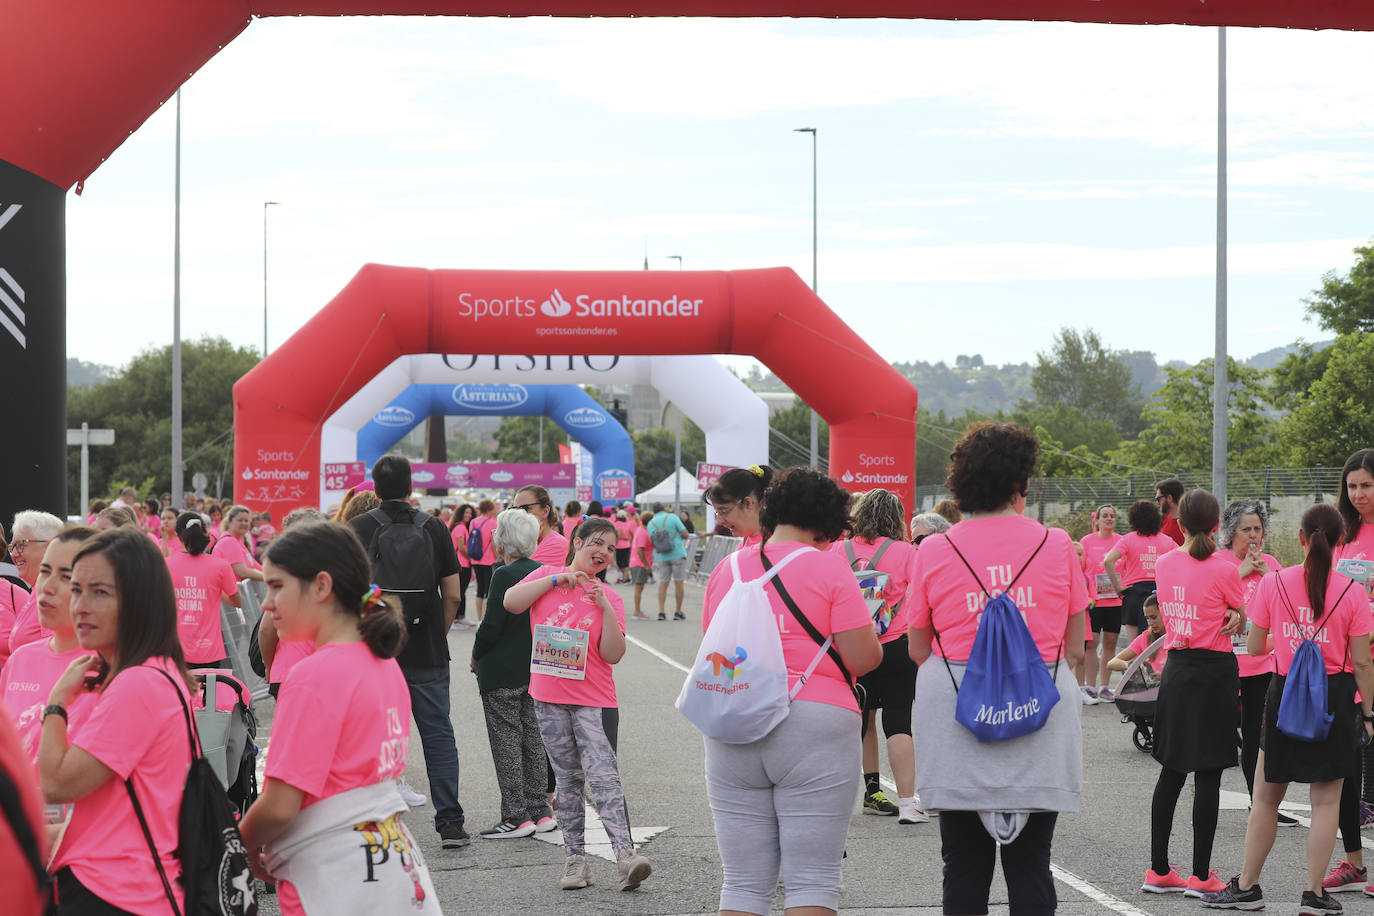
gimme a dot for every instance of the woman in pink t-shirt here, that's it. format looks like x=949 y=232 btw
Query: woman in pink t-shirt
x=1200 y=596
x=125 y=615
x=737 y=498
x=579 y=633
x=458 y=531
x=1356 y=504
x=1244 y=526
x=572 y=517
x=553 y=546
x=339 y=738
x=879 y=524
x=624 y=531
x=1040 y=772
x=1137 y=552
x=641 y=561
x=782 y=804
x=1105 y=615
x=166 y=534
x=235 y=548
x=200 y=580
x=33 y=669
x=1310 y=602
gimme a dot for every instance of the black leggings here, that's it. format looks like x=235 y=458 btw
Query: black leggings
x=1206 y=803
x=464 y=577
x=970 y=853
x=1350 y=801
x=891 y=687
x=1252 y=693
x=483 y=574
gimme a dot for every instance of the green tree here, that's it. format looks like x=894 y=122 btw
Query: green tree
x=137 y=404
x=517 y=440
x=1335 y=419
x=1178 y=432
x=790 y=441
x=1080 y=373
x=1293 y=378
x=654 y=453
x=1345 y=304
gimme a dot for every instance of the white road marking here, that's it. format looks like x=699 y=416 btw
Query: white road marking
x=598 y=843
x=657 y=654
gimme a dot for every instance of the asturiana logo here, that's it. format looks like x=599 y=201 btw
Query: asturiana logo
x=555 y=306
x=422 y=476
x=457 y=471
x=501 y=477
x=490 y=397
x=584 y=418
x=731 y=666
x=395 y=415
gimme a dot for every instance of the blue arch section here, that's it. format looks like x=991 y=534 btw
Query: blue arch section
x=569 y=406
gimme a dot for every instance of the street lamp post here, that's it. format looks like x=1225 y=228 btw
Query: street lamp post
x=265 y=205
x=178 y=471
x=815 y=425
x=678 y=258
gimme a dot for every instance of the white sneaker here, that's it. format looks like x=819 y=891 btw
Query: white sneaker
x=410 y=796
x=1089 y=696
x=911 y=814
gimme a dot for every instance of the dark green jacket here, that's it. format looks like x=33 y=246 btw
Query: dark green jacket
x=503 y=642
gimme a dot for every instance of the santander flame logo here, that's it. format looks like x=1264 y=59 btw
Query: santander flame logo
x=847 y=477
x=555 y=306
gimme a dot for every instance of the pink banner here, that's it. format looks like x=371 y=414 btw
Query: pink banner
x=708 y=474
x=500 y=476
x=613 y=488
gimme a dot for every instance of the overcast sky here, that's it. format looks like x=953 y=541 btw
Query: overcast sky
x=981 y=184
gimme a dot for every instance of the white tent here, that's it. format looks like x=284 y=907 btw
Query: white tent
x=663 y=492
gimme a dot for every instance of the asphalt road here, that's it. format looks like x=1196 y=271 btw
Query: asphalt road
x=1100 y=853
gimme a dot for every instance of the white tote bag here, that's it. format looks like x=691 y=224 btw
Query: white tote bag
x=737 y=690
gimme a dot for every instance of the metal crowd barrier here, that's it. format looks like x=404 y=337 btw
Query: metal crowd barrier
x=714 y=548
x=237 y=625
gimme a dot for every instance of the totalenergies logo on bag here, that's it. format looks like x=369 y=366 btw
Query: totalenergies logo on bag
x=731 y=666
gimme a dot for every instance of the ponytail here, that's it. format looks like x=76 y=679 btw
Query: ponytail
x=191 y=531
x=382 y=626
x=1321 y=525
x=1198 y=514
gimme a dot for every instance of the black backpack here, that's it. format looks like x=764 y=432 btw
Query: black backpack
x=214 y=862
x=403 y=564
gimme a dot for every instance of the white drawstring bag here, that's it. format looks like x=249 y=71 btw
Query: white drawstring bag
x=737 y=690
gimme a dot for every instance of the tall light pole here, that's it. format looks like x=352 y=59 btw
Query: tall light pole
x=815 y=426
x=678 y=258
x=1219 y=367
x=178 y=484
x=265 y=205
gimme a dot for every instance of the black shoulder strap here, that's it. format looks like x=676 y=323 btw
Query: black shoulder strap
x=1326 y=617
x=380 y=517
x=194 y=740
x=12 y=806
x=807 y=625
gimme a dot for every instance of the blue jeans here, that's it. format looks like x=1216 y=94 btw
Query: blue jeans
x=429 y=703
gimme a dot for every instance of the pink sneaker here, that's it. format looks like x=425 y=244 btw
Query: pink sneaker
x=1345 y=877
x=1197 y=887
x=1170 y=882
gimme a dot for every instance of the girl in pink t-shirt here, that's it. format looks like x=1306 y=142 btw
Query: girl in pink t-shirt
x=200 y=580
x=485 y=522
x=125 y=615
x=641 y=561
x=462 y=516
x=1295 y=604
x=1130 y=564
x=1244 y=526
x=769 y=816
x=737 y=499
x=880 y=524
x=339 y=739
x=234 y=547
x=579 y=633
x=31 y=672
x=166 y=533
x=1195 y=715
x=624 y=531
x=1105 y=614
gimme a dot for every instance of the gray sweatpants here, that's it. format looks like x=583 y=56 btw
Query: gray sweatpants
x=517 y=751
x=580 y=752
x=783 y=804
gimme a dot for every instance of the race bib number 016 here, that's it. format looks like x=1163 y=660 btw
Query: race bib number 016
x=559 y=652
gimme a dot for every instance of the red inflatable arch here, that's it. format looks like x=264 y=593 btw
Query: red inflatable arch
x=386 y=312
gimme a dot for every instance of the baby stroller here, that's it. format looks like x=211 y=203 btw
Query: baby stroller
x=1137 y=693
x=228 y=734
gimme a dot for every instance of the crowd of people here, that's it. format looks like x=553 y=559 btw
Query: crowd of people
x=107 y=629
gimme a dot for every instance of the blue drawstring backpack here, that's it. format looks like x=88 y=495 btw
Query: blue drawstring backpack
x=1304 y=713
x=1007 y=691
